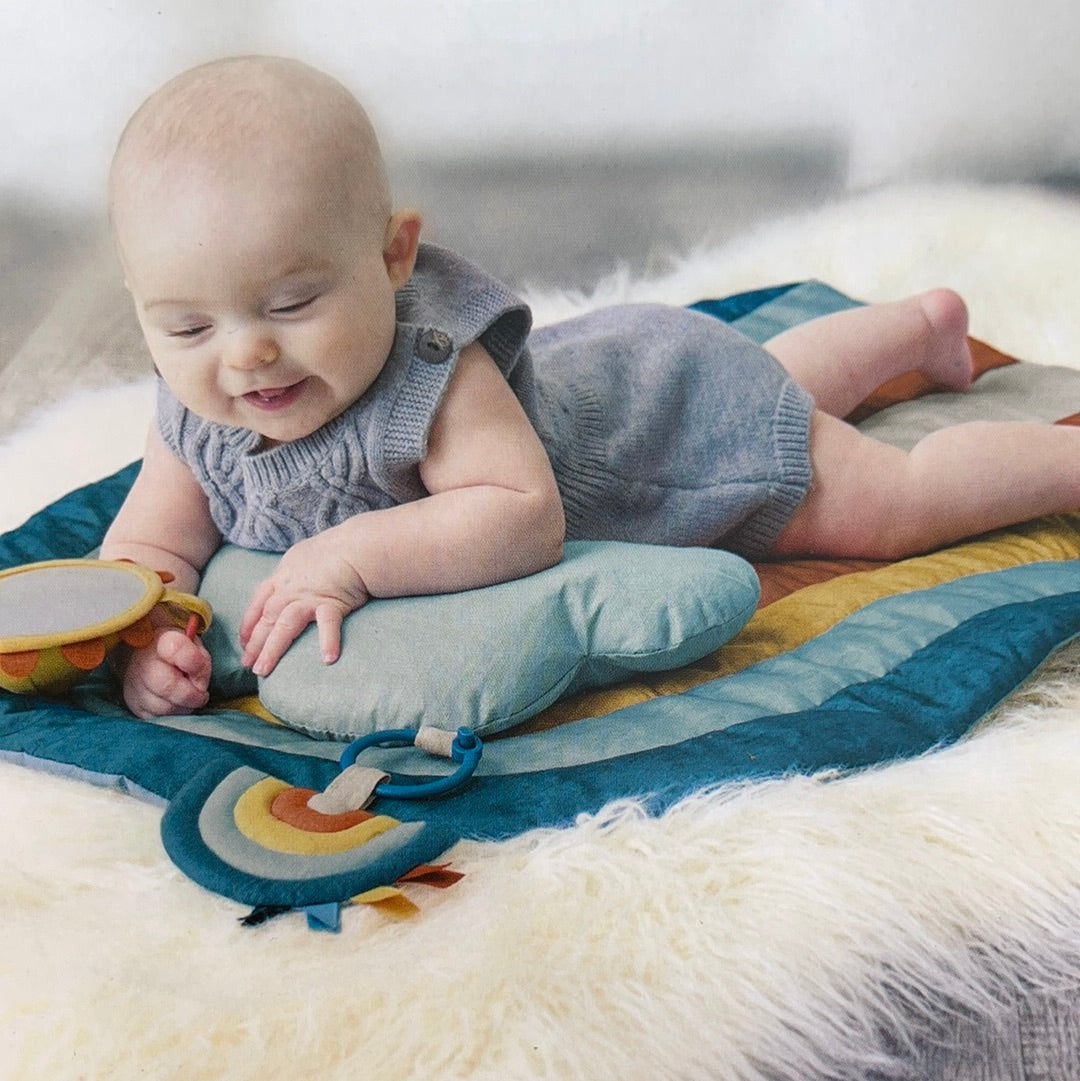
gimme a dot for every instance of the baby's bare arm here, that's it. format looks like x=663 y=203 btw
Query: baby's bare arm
x=165 y=525
x=493 y=514
x=165 y=521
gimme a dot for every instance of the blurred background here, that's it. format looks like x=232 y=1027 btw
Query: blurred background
x=555 y=141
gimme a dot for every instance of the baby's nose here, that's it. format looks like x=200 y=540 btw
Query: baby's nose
x=247 y=349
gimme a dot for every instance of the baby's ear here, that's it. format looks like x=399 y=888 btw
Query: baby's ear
x=400 y=245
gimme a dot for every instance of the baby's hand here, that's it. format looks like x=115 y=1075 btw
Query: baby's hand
x=169 y=676
x=313 y=583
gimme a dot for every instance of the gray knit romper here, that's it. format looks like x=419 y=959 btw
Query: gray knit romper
x=663 y=426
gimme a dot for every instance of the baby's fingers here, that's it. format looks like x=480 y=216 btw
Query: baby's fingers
x=189 y=657
x=255 y=610
x=272 y=637
x=329 y=617
x=175 y=698
x=154 y=685
x=269 y=641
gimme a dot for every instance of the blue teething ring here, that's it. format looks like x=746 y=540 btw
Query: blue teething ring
x=465 y=750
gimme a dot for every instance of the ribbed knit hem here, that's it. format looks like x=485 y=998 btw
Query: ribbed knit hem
x=755 y=536
x=407 y=422
x=584 y=479
x=280 y=466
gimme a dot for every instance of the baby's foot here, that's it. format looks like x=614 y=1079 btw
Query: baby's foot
x=948 y=360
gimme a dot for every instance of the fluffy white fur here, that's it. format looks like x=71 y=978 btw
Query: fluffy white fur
x=769 y=930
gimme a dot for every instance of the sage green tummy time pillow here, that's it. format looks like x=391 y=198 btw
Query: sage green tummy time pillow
x=489 y=658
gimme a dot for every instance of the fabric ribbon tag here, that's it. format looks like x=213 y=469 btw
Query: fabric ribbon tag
x=351 y=790
x=324 y=917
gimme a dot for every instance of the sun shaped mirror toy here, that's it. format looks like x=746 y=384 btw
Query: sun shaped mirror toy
x=60 y=619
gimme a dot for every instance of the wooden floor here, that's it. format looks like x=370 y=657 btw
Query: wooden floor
x=1038 y=1040
x=38 y=249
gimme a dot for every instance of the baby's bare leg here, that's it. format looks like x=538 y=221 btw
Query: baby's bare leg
x=875 y=501
x=842 y=358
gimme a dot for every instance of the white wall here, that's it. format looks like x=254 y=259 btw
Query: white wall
x=928 y=87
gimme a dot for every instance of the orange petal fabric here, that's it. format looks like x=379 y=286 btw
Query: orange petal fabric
x=85 y=656
x=19 y=665
x=139 y=635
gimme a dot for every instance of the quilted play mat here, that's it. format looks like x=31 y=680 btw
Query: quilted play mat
x=625 y=672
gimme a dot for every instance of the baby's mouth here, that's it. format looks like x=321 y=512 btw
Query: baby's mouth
x=273 y=398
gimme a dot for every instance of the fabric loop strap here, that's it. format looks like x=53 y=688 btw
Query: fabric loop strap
x=351 y=790
x=435 y=740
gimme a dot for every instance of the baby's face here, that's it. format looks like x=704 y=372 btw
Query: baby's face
x=264 y=304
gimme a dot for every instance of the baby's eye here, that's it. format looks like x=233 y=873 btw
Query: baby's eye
x=293 y=306
x=188 y=332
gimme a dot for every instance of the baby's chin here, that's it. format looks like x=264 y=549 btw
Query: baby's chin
x=274 y=435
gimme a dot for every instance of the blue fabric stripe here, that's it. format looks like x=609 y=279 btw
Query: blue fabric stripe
x=78 y=773
x=792 y=305
x=731 y=309
x=119 y=749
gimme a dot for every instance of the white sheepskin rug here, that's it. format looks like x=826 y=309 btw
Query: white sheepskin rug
x=801 y=928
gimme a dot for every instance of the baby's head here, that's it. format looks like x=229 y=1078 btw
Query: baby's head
x=252 y=118
x=252 y=215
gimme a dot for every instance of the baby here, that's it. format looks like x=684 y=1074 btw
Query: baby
x=380 y=411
